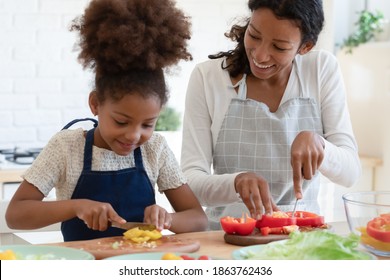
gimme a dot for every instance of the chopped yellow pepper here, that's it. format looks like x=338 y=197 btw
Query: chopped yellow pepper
x=7 y=255
x=139 y=236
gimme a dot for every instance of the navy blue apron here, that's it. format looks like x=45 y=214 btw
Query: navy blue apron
x=129 y=192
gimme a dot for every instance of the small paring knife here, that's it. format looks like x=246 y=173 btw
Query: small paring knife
x=130 y=225
x=295 y=208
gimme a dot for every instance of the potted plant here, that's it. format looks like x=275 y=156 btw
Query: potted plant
x=369 y=25
x=169 y=120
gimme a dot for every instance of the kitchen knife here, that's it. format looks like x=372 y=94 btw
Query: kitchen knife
x=130 y=225
x=295 y=208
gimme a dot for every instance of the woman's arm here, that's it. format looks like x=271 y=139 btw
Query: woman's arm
x=207 y=99
x=341 y=162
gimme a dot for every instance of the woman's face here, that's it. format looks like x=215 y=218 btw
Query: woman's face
x=271 y=44
x=126 y=124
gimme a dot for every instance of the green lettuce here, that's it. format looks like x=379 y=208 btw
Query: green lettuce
x=314 y=245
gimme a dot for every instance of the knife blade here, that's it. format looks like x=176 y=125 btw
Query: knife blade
x=130 y=225
x=295 y=208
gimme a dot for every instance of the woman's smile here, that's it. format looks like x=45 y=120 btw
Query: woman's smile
x=261 y=66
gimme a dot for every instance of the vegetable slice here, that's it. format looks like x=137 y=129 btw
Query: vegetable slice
x=277 y=219
x=379 y=228
x=240 y=226
x=307 y=219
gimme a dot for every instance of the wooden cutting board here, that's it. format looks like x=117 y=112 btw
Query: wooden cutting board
x=253 y=239
x=256 y=237
x=104 y=247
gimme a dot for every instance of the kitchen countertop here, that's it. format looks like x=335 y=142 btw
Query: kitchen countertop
x=212 y=243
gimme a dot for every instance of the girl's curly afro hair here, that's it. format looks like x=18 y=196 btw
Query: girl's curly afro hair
x=121 y=39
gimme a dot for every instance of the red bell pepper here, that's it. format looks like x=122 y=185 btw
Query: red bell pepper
x=307 y=219
x=240 y=226
x=278 y=230
x=277 y=219
x=379 y=228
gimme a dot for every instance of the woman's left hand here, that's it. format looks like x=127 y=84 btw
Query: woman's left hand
x=157 y=216
x=307 y=154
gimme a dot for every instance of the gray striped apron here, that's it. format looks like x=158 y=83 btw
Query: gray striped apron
x=256 y=140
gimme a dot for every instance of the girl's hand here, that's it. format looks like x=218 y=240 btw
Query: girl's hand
x=254 y=192
x=307 y=154
x=158 y=216
x=97 y=215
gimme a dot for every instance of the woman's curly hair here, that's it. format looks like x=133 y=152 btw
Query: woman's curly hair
x=308 y=15
x=128 y=43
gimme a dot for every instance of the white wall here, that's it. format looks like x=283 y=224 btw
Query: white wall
x=42 y=86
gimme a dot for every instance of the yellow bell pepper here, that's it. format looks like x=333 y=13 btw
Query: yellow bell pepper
x=134 y=232
x=7 y=255
x=139 y=236
x=154 y=234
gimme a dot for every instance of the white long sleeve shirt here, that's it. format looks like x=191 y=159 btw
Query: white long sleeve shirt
x=208 y=97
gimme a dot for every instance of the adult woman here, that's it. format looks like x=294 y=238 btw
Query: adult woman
x=268 y=115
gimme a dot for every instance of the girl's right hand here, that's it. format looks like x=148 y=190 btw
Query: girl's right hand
x=97 y=215
x=254 y=192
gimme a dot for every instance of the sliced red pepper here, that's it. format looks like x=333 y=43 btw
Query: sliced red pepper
x=269 y=230
x=278 y=230
x=204 y=257
x=240 y=226
x=307 y=219
x=277 y=219
x=187 y=257
x=379 y=228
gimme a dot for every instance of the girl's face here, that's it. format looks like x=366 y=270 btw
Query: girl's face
x=126 y=124
x=271 y=44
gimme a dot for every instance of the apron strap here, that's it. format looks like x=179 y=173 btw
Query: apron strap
x=241 y=84
x=138 y=158
x=80 y=120
x=88 y=150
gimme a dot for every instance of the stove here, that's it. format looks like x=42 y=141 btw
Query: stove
x=18 y=157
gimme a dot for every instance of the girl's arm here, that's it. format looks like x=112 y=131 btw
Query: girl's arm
x=27 y=210
x=189 y=215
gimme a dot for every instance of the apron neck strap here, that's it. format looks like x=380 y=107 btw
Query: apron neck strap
x=138 y=158
x=95 y=122
x=241 y=84
x=88 y=150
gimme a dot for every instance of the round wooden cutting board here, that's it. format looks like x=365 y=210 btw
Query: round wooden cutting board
x=253 y=239
x=113 y=246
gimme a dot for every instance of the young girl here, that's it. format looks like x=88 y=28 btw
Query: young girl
x=107 y=174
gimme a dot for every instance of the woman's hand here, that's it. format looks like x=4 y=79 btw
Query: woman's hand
x=97 y=215
x=254 y=192
x=307 y=154
x=158 y=216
